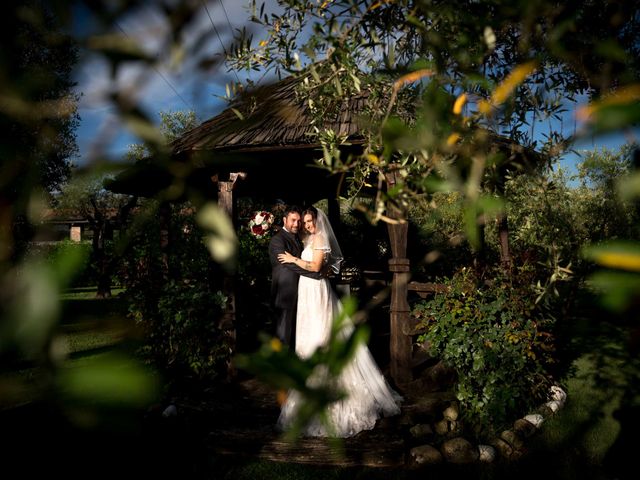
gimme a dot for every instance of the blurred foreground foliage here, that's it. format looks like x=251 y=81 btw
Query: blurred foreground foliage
x=458 y=91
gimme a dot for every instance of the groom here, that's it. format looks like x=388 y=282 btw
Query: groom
x=285 y=276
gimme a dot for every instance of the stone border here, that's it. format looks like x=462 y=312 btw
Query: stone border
x=509 y=444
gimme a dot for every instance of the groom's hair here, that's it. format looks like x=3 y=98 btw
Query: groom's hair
x=292 y=209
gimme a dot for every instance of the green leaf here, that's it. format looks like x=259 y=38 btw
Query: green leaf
x=221 y=239
x=617 y=290
x=238 y=113
x=621 y=255
x=629 y=186
x=615 y=117
x=109 y=380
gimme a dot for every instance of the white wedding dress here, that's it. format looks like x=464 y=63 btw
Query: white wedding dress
x=369 y=396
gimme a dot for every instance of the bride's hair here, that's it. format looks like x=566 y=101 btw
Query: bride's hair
x=313 y=211
x=328 y=238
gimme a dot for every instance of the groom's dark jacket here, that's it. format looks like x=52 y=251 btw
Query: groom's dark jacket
x=284 y=277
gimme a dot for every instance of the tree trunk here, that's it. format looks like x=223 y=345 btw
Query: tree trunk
x=164 y=212
x=101 y=261
x=505 y=254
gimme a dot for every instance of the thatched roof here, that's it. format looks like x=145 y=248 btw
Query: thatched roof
x=269 y=134
x=272 y=117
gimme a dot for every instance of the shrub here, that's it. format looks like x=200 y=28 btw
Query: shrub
x=253 y=288
x=497 y=339
x=176 y=298
x=185 y=333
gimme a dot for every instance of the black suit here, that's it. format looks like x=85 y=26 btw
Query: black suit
x=284 y=284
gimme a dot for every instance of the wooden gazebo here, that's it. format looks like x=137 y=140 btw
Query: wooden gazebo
x=264 y=145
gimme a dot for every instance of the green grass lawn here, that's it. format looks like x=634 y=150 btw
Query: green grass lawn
x=586 y=424
x=88 y=328
x=86 y=293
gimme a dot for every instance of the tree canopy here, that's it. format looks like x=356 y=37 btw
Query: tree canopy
x=447 y=73
x=38 y=115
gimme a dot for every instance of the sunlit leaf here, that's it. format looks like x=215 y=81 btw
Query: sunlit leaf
x=36 y=308
x=459 y=103
x=433 y=183
x=622 y=97
x=618 y=290
x=379 y=4
x=489 y=37
x=484 y=107
x=221 y=239
x=143 y=128
x=109 y=380
x=373 y=159
x=611 y=49
x=471 y=226
x=504 y=90
x=490 y=205
x=618 y=255
x=118 y=46
x=238 y=113
x=453 y=139
x=614 y=117
x=629 y=187
x=515 y=78
x=413 y=77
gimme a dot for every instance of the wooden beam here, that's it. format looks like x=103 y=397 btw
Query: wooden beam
x=425 y=289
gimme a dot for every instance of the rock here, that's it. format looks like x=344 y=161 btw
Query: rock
x=425 y=455
x=455 y=427
x=512 y=439
x=459 y=450
x=487 y=453
x=421 y=430
x=554 y=405
x=170 y=411
x=557 y=394
x=535 y=419
x=451 y=412
x=504 y=449
x=524 y=428
x=441 y=427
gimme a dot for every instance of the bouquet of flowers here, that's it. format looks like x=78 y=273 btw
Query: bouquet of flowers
x=260 y=223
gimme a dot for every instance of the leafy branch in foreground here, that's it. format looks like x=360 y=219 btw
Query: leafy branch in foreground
x=313 y=378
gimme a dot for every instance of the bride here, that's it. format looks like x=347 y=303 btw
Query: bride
x=368 y=395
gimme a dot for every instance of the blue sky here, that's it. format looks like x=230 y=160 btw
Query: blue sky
x=167 y=88
x=162 y=88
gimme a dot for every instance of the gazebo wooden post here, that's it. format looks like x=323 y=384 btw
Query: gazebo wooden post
x=227 y=322
x=401 y=347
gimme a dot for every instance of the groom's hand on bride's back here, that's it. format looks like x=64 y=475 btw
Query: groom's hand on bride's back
x=326 y=269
